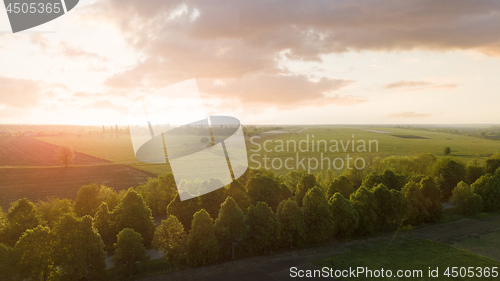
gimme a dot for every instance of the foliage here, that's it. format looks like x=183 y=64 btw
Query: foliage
x=104 y=222
x=492 y=164
x=36 y=253
x=448 y=173
x=306 y=182
x=488 y=187
x=431 y=191
x=202 y=242
x=237 y=191
x=317 y=216
x=473 y=171
x=263 y=227
x=447 y=150
x=132 y=212
x=129 y=249
x=65 y=155
x=230 y=224
x=264 y=188
x=419 y=203
x=87 y=200
x=80 y=250
x=183 y=210
x=8 y=263
x=366 y=205
x=342 y=185
x=292 y=221
x=170 y=238
x=53 y=209
x=22 y=215
x=466 y=201
x=345 y=217
x=211 y=201
x=292 y=179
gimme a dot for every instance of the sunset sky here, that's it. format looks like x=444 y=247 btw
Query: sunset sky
x=265 y=62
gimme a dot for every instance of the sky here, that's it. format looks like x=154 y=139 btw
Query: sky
x=264 y=62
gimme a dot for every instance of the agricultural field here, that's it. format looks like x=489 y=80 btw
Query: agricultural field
x=378 y=142
x=25 y=151
x=29 y=168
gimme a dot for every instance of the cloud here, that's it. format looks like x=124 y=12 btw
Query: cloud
x=417 y=85
x=105 y=105
x=39 y=40
x=75 y=53
x=408 y=115
x=20 y=93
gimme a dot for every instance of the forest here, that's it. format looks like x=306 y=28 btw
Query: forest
x=258 y=214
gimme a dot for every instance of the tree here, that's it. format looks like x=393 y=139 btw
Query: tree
x=420 y=204
x=212 y=201
x=306 y=182
x=492 y=164
x=473 y=171
x=237 y=191
x=403 y=208
x=170 y=239
x=22 y=215
x=342 y=185
x=466 y=201
x=448 y=173
x=366 y=205
x=8 y=263
x=263 y=227
x=488 y=187
x=80 y=249
x=183 y=210
x=53 y=209
x=158 y=192
x=292 y=179
x=35 y=253
x=345 y=217
x=317 y=215
x=202 y=242
x=105 y=223
x=386 y=206
x=292 y=221
x=132 y=212
x=129 y=249
x=65 y=155
x=431 y=191
x=87 y=200
x=262 y=187
x=230 y=224
x=447 y=150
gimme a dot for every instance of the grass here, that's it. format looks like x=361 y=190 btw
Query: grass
x=411 y=255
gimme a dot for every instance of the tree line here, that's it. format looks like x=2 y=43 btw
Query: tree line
x=58 y=239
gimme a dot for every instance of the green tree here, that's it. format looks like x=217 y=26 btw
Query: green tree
x=342 y=185
x=292 y=221
x=263 y=227
x=158 y=192
x=8 y=263
x=35 y=253
x=447 y=150
x=306 y=182
x=87 y=200
x=105 y=223
x=212 y=201
x=317 y=216
x=79 y=248
x=230 y=224
x=65 y=155
x=492 y=164
x=53 y=209
x=420 y=204
x=292 y=179
x=386 y=206
x=202 y=242
x=170 y=238
x=237 y=191
x=366 y=204
x=132 y=212
x=345 y=217
x=473 y=171
x=466 y=201
x=22 y=215
x=129 y=249
x=431 y=191
x=183 y=210
x=264 y=188
x=402 y=210
x=448 y=173
x=488 y=187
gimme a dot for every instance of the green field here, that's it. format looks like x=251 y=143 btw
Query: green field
x=419 y=255
x=462 y=147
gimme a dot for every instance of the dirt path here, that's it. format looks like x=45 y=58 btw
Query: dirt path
x=277 y=267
